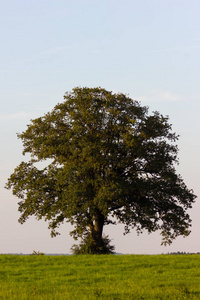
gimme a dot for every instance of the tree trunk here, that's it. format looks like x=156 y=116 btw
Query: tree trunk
x=98 y=229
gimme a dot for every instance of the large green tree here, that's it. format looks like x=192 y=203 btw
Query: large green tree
x=108 y=161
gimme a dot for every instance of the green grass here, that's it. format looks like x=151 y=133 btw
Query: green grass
x=100 y=277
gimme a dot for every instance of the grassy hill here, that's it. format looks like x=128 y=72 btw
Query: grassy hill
x=100 y=277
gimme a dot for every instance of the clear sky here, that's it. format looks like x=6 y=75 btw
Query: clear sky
x=149 y=49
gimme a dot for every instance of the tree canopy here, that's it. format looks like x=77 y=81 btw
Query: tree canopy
x=109 y=161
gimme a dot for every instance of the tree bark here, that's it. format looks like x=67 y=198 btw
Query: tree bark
x=98 y=229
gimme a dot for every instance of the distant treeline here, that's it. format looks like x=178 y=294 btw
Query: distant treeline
x=181 y=253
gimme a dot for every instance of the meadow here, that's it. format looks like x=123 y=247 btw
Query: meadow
x=100 y=277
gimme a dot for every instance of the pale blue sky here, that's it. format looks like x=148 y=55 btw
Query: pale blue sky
x=149 y=49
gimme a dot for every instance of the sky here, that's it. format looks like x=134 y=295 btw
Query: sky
x=147 y=49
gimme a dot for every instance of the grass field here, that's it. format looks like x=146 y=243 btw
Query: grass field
x=100 y=277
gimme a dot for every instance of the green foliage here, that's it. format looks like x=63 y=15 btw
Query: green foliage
x=88 y=246
x=107 y=160
x=94 y=277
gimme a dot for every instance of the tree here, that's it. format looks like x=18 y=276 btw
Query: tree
x=108 y=162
